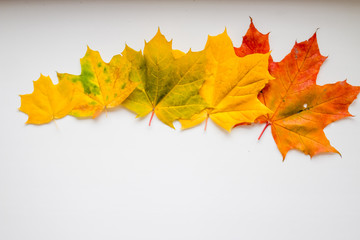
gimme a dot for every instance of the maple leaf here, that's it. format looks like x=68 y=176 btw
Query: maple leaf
x=253 y=42
x=47 y=102
x=100 y=85
x=301 y=109
x=232 y=85
x=169 y=81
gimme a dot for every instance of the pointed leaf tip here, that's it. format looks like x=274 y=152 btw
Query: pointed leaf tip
x=158 y=33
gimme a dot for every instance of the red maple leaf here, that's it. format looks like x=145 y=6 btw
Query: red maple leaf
x=301 y=108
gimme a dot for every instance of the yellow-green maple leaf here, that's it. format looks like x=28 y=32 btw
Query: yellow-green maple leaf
x=232 y=85
x=100 y=85
x=169 y=81
x=48 y=101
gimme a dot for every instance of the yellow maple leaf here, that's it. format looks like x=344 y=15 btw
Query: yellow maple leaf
x=169 y=81
x=48 y=101
x=100 y=85
x=232 y=85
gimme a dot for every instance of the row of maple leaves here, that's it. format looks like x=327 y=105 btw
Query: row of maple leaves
x=230 y=87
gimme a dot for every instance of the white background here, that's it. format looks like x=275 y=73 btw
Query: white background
x=117 y=178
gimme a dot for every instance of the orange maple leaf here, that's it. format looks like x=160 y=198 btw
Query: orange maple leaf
x=253 y=42
x=301 y=109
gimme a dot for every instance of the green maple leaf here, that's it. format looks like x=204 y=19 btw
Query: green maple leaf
x=169 y=81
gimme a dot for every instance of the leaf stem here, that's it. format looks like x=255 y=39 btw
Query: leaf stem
x=152 y=115
x=266 y=125
x=206 y=121
x=57 y=127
